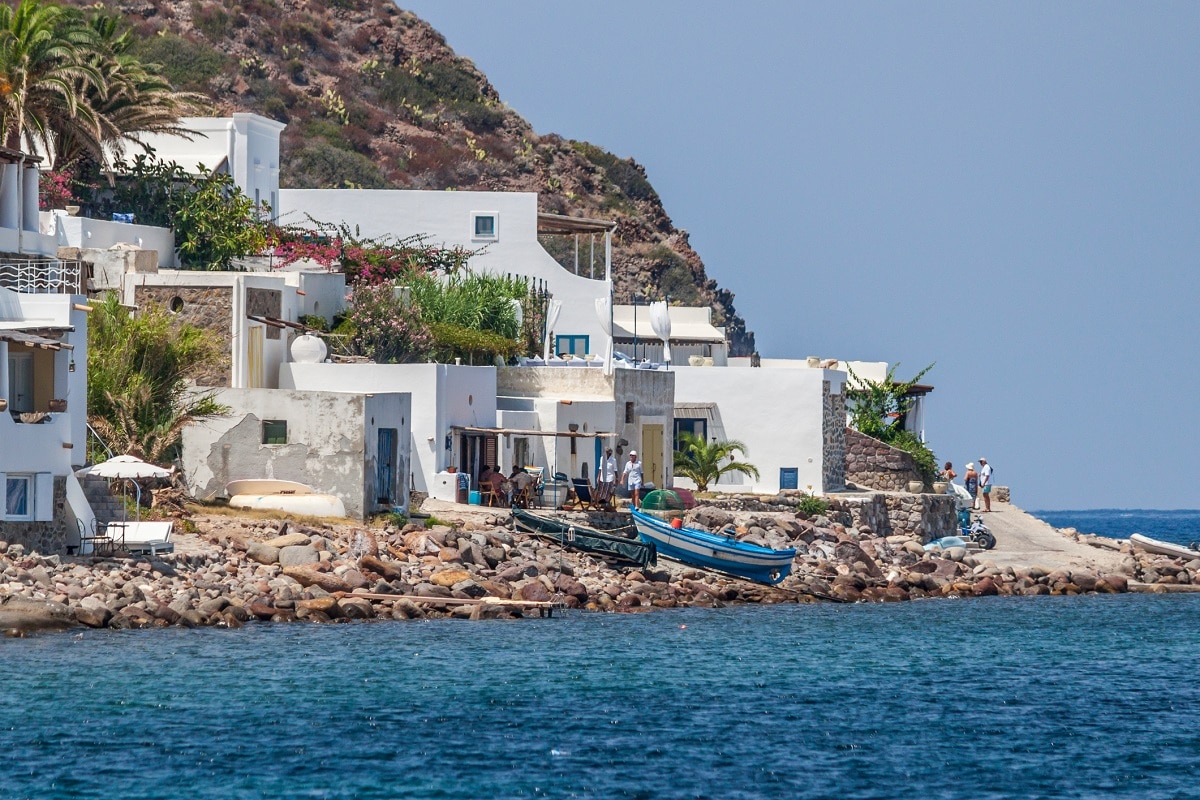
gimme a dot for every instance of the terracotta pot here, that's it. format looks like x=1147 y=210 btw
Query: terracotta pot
x=58 y=406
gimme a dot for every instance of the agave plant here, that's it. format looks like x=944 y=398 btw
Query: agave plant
x=705 y=462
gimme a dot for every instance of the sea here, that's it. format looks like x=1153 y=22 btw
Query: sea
x=1047 y=697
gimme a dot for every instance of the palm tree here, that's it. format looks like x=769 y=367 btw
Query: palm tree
x=44 y=60
x=700 y=461
x=131 y=98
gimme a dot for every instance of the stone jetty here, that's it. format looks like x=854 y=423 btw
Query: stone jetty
x=232 y=571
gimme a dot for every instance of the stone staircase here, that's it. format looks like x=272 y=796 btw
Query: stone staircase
x=105 y=505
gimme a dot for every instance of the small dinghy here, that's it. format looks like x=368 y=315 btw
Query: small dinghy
x=610 y=545
x=279 y=495
x=715 y=551
x=1163 y=548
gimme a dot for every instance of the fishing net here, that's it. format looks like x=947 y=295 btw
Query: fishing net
x=662 y=500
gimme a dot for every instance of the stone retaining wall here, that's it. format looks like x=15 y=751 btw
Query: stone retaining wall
x=833 y=467
x=930 y=516
x=874 y=465
x=43 y=537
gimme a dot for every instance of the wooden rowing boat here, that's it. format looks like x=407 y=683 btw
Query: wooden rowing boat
x=610 y=546
x=715 y=551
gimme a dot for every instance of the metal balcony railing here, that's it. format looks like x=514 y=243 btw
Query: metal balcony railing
x=42 y=276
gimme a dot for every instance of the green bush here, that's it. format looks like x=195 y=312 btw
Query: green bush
x=625 y=174
x=213 y=21
x=674 y=276
x=923 y=457
x=186 y=64
x=812 y=506
x=451 y=84
x=321 y=165
x=480 y=117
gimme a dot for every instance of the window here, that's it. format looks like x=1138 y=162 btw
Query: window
x=18 y=499
x=521 y=452
x=629 y=412
x=274 y=431
x=575 y=345
x=789 y=478
x=696 y=427
x=483 y=225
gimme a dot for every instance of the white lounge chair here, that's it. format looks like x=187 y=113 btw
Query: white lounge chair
x=142 y=537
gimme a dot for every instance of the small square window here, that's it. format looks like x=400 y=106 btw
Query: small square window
x=18 y=499
x=274 y=431
x=484 y=226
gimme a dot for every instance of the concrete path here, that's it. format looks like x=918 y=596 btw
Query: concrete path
x=1024 y=541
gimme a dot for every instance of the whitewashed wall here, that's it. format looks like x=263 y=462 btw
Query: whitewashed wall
x=447 y=218
x=443 y=395
x=777 y=413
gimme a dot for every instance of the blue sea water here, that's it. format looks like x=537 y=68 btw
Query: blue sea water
x=1178 y=526
x=1049 y=697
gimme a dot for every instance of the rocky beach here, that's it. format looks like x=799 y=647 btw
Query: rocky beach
x=234 y=570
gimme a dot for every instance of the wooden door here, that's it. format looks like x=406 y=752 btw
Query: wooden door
x=652 y=454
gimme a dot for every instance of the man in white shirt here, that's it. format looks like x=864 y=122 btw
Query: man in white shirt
x=985 y=483
x=632 y=477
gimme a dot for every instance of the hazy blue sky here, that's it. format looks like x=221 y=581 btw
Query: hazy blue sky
x=1008 y=189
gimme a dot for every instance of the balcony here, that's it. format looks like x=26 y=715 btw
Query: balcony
x=43 y=276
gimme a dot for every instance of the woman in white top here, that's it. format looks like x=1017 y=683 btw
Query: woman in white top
x=632 y=477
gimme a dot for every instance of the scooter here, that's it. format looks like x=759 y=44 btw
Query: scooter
x=978 y=533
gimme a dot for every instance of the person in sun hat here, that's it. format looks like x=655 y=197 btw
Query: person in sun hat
x=971 y=482
x=985 y=483
x=632 y=477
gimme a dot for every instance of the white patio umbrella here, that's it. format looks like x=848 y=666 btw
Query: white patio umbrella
x=604 y=314
x=660 y=322
x=125 y=467
x=552 y=309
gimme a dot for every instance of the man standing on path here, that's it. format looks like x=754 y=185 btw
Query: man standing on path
x=632 y=477
x=985 y=483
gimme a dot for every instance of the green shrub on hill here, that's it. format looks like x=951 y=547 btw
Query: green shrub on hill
x=321 y=165
x=186 y=64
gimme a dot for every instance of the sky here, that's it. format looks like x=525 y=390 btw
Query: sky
x=1010 y=190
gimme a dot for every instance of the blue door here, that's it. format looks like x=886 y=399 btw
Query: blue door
x=386 y=467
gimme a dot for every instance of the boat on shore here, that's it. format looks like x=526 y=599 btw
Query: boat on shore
x=280 y=495
x=715 y=551
x=610 y=546
x=1163 y=548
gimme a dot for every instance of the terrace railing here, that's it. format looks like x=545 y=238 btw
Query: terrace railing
x=43 y=276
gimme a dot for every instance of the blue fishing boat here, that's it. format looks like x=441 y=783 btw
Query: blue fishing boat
x=715 y=551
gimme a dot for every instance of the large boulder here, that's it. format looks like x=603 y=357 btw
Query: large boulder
x=296 y=555
x=310 y=576
x=27 y=614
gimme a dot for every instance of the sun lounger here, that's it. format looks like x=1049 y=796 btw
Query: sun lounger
x=142 y=537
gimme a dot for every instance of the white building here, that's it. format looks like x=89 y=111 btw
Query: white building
x=790 y=419
x=501 y=227
x=693 y=336
x=43 y=416
x=246 y=146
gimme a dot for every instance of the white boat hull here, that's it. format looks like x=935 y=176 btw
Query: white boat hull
x=311 y=505
x=1163 y=548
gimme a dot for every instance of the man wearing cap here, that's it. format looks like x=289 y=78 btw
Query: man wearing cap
x=632 y=477
x=985 y=483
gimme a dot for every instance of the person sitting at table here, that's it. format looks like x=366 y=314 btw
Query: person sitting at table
x=493 y=478
x=521 y=481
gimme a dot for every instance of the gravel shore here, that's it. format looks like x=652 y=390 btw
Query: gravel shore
x=233 y=570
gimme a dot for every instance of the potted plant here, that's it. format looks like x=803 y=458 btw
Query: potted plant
x=58 y=406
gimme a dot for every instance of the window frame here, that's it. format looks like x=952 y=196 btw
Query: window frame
x=30 y=503
x=476 y=216
x=267 y=439
x=572 y=339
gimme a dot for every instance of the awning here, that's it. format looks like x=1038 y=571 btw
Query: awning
x=30 y=340
x=682 y=332
x=523 y=432
x=559 y=223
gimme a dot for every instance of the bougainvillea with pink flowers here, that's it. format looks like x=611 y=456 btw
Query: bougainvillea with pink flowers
x=56 y=189
x=365 y=260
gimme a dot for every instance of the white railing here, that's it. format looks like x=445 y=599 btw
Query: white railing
x=42 y=276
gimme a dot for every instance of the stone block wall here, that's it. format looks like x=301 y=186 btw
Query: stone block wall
x=930 y=516
x=872 y=464
x=833 y=467
x=208 y=307
x=47 y=538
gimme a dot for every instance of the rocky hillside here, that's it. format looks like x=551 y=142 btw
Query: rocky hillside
x=375 y=98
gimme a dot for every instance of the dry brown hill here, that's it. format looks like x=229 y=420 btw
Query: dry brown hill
x=375 y=98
